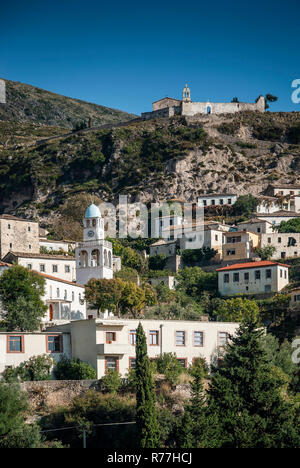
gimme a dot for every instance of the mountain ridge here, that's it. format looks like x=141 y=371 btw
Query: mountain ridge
x=28 y=103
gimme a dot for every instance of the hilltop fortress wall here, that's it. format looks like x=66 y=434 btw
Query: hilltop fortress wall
x=168 y=107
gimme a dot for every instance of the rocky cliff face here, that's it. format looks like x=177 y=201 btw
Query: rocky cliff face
x=151 y=161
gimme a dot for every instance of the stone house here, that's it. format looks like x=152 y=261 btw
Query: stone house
x=287 y=244
x=259 y=226
x=239 y=245
x=276 y=217
x=18 y=234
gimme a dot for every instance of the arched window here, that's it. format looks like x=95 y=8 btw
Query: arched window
x=208 y=110
x=94 y=222
x=109 y=259
x=83 y=259
x=95 y=258
x=105 y=258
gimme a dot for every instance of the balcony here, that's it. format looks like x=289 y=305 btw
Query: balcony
x=115 y=348
x=105 y=243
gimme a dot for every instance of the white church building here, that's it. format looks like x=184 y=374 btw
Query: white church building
x=94 y=256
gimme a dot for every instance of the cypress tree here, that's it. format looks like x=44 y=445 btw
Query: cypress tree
x=146 y=417
x=247 y=398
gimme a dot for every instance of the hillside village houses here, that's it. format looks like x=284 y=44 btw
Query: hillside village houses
x=108 y=342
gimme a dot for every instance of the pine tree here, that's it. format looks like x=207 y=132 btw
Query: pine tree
x=246 y=396
x=146 y=419
x=199 y=428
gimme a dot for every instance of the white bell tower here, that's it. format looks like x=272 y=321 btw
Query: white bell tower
x=94 y=256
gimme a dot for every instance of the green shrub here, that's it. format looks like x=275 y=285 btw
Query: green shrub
x=74 y=369
x=168 y=365
x=157 y=262
x=35 y=369
x=111 y=382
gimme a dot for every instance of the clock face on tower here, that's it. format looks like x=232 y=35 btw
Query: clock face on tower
x=90 y=233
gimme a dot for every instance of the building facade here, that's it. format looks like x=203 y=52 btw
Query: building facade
x=252 y=278
x=239 y=245
x=287 y=244
x=18 y=234
x=168 y=107
x=110 y=344
x=217 y=199
x=16 y=347
x=259 y=226
x=59 y=266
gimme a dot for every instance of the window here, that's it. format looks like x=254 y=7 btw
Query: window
x=236 y=277
x=213 y=202
x=223 y=338
x=204 y=202
x=279 y=240
x=267 y=288
x=10 y=245
x=54 y=268
x=73 y=296
x=198 y=338
x=131 y=363
x=257 y=274
x=258 y=230
x=54 y=344
x=269 y=240
x=226 y=278
x=110 y=337
x=57 y=292
x=153 y=338
x=67 y=269
x=216 y=237
x=221 y=201
x=297 y=298
x=66 y=295
x=268 y=273
x=15 y=344
x=182 y=362
x=246 y=276
x=230 y=252
x=180 y=338
x=282 y=255
x=285 y=274
x=8 y=226
x=111 y=363
x=29 y=246
x=42 y=268
x=280 y=273
x=29 y=266
x=132 y=337
x=29 y=228
x=229 y=201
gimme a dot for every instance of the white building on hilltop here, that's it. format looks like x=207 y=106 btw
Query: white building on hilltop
x=94 y=256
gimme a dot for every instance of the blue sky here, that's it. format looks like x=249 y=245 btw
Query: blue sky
x=127 y=54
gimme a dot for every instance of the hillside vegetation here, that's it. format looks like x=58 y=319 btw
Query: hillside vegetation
x=26 y=103
x=150 y=161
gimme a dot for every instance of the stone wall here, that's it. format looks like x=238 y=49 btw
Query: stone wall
x=20 y=234
x=48 y=395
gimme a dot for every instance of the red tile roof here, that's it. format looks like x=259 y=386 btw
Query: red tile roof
x=263 y=263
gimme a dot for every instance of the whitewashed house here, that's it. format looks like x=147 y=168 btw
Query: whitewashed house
x=252 y=278
x=17 y=347
x=110 y=343
x=217 y=199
